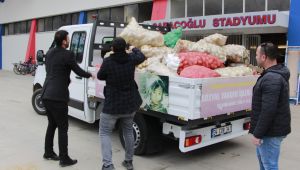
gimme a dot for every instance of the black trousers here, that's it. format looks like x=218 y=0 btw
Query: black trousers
x=57 y=113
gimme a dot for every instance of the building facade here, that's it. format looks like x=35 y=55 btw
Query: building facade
x=245 y=22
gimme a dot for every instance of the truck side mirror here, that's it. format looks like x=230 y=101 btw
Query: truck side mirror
x=40 y=57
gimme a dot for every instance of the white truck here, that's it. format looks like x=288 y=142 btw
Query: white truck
x=197 y=113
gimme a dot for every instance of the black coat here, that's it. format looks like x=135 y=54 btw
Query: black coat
x=271 y=116
x=59 y=63
x=121 y=91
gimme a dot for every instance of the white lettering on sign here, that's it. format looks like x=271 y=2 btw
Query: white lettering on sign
x=227 y=95
x=252 y=19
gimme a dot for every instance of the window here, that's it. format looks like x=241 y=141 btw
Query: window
x=213 y=7
x=117 y=14
x=77 y=45
x=194 y=8
x=11 y=29
x=17 y=28
x=145 y=11
x=75 y=18
x=281 y=5
x=104 y=14
x=23 y=27
x=255 y=5
x=6 y=29
x=48 y=24
x=56 y=22
x=66 y=19
x=2 y=30
x=229 y=8
x=28 y=26
x=177 y=8
x=90 y=15
x=41 y=25
x=131 y=11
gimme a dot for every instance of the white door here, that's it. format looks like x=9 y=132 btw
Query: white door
x=79 y=45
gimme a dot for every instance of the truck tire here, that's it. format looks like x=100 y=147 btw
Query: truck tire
x=37 y=103
x=146 y=135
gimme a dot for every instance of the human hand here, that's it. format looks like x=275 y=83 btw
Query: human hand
x=256 y=141
x=131 y=47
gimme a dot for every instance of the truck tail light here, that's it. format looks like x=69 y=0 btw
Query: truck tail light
x=193 y=140
x=246 y=126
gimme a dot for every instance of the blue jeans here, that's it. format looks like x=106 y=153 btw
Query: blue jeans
x=106 y=126
x=268 y=153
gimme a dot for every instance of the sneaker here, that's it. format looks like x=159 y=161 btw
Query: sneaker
x=51 y=156
x=128 y=165
x=109 y=167
x=67 y=161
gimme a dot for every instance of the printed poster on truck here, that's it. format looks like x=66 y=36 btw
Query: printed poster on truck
x=154 y=91
x=224 y=95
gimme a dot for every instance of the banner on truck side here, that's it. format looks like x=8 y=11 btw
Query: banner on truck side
x=221 y=96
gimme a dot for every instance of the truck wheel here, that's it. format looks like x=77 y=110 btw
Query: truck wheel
x=145 y=136
x=37 y=103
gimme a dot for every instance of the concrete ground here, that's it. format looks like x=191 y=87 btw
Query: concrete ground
x=22 y=140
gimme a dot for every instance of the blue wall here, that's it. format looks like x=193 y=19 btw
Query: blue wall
x=1 y=31
x=294 y=24
x=82 y=18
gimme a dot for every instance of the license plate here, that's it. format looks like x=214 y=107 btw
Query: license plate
x=221 y=131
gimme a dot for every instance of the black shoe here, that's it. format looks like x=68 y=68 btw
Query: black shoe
x=67 y=161
x=51 y=156
x=128 y=165
x=109 y=167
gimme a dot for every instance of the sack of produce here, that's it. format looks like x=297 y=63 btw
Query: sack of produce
x=198 y=72
x=172 y=61
x=137 y=36
x=183 y=46
x=161 y=69
x=172 y=37
x=237 y=53
x=199 y=58
x=202 y=46
x=234 y=71
x=216 y=39
x=150 y=51
x=149 y=61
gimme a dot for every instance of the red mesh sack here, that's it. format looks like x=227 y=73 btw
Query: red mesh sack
x=198 y=72
x=199 y=58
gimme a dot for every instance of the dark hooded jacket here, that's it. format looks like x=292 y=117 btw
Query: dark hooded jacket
x=121 y=91
x=271 y=116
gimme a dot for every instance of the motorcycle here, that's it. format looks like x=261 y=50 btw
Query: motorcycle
x=24 y=68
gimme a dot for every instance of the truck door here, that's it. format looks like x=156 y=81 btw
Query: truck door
x=79 y=45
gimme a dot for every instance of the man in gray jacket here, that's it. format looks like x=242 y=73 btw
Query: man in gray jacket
x=271 y=116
